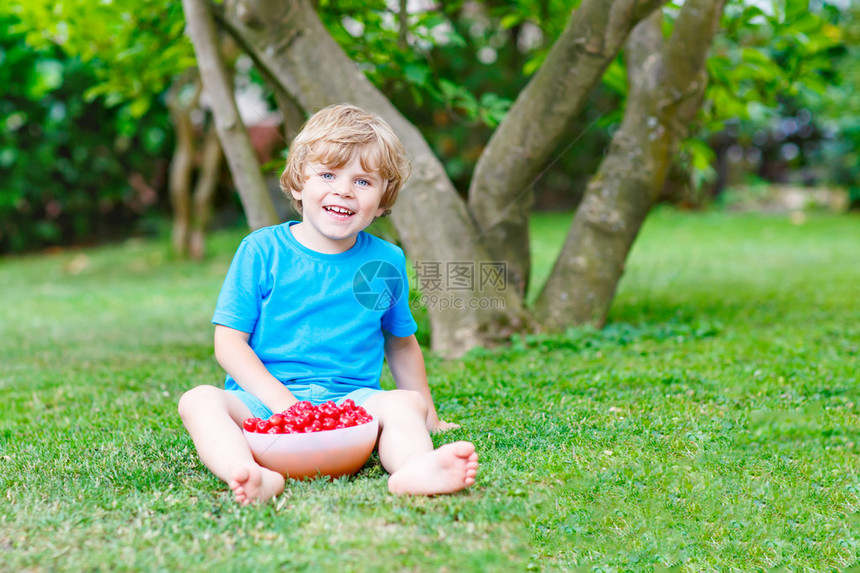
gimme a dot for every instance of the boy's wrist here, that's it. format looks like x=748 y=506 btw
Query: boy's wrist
x=283 y=405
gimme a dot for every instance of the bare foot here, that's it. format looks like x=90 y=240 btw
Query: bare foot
x=446 y=469
x=255 y=483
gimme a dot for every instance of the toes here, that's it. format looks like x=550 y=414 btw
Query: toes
x=465 y=450
x=240 y=476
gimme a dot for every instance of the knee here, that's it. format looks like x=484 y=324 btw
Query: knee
x=393 y=404
x=411 y=400
x=191 y=400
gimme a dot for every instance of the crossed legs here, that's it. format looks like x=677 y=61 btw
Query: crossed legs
x=213 y=418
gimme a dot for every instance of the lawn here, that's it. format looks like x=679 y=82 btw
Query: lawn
x=713 y=425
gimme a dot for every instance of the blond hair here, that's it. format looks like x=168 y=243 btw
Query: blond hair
x=333 y=136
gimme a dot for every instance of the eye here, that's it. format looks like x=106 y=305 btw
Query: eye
x=327 y=176
x=363 y=183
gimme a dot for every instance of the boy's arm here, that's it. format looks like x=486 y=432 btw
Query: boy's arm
x=406 y=362
x=240 y=361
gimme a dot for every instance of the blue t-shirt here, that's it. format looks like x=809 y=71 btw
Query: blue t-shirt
x=315 y=318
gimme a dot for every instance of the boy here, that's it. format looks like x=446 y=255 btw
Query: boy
x=290 y=326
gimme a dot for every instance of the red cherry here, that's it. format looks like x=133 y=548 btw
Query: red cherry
x=303 y=419
x=302 y=406
x=328 y=409
x=262 y=426
x=250 y=424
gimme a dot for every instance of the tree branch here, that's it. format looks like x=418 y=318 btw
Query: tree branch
x=691 y=40
x=500 y=194
x=645 y=43
x=660 y=107
x=253 y=192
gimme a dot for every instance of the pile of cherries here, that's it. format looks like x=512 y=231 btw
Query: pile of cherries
x=304 y=417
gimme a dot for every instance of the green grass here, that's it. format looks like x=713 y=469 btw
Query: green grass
x=713 y=425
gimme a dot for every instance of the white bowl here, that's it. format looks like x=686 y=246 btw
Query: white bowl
x=330 y=453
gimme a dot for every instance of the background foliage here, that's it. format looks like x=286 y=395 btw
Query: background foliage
x=67 y=162
x=85 y=135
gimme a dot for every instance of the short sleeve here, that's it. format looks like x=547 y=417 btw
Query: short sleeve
x=243 y=290
x=398 y=319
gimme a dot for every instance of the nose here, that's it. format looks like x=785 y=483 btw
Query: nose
x=342 y=187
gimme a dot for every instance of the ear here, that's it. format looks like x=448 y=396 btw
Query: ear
x=297 y=195
x=379 y=212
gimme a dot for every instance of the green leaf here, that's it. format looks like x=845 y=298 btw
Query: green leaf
x=795 y=8
x=139 y=107
x=532 y=65
x=755 y=56
x=493 y=108
x=416 y=74
x=46 y=77
x=806 y=23
x=509 y=21
x=449 y=89
x=701 y=154
x=615 y=77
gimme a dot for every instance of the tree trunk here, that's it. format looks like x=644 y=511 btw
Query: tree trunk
x=292 y=47
x=179 y=182
x=244 y=167
x=666 y=85
x=500 y=195
x=288 y=41
x=293 y=117
x=204 y=192
x=182 y=163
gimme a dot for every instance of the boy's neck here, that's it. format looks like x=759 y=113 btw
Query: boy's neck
x=319 y=244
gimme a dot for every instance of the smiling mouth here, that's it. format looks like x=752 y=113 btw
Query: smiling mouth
x=339 y=211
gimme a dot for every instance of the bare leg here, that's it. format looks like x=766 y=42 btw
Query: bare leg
x=406 y=449
x=212 y=417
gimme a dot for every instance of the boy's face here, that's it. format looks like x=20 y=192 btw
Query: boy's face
x=336 y=205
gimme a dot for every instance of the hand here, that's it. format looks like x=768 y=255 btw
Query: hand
x=442 y=426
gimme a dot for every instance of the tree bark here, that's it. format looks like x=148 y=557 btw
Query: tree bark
x=293 y=117
x=290 y=43
x=666 y=85
x=181 y=164
x=204 y=192
x=500 y=195
x=244 y=167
